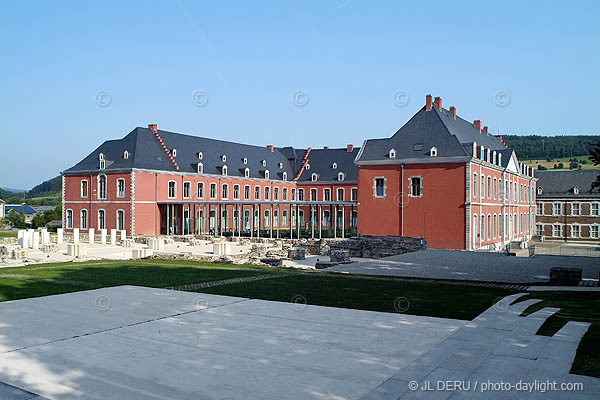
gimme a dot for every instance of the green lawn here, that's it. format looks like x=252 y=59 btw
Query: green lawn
x=8 y=234
x=573 y=307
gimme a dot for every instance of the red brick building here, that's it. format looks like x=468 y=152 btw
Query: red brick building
x=447 y=180
x=439 y=177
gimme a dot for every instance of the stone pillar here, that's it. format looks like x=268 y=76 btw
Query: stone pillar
x=91 y=233
x=123 y=235
x=25 y=240
x=59 y=235
x=30 y=238
x=113 y=237
x=45 y=237
x=103 y=236
x=36 y=241
x=76 y=236
x=20 y=235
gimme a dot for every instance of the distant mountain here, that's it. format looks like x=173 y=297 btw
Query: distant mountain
x=11 y=190
x=46 y=188
x=47 y=193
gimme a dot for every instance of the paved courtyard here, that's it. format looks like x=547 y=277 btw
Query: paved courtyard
x=483 y=266
x=133 y=343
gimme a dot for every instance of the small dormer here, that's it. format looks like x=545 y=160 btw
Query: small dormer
x=174 y=152
x=102 y=163
x=267 y=174
x=334 y=165
x=307 y=166
x=199 y=155
x=341 y=176
x=280 y=165
x=244 y=160
x=223 y=158
x=575 y=190
x=392 y=153
x=125 y=155
x=540 y=190
x=433 y=152
x=314 y=177
x=224 y=170
x=200 y=168
x=264 y=163
x=101 y=156
x=246 y=172
x=284 y=176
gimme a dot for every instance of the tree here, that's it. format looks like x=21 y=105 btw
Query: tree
x=16 y=219
x=595 y=158
x=541 y=167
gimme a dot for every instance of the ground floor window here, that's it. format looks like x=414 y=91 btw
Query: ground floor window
x=539 y=229
x=83 y=219
x=69 y=222
x=121 y=220
x=575 y=231
x=594 y=231
x=101 y=219
x=556 y=230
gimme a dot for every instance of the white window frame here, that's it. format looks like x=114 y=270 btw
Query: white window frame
x=102 y=193
x=213 y=188
x=341 y=176
x=554 y=227
x=200 y=190
x=560 y=207
x=267 y=174
x=267 y=193
x=200 y=168
x=475 y=186
x=257 y=198
x=174 y=153
x=410 y=185
x=224 y=170
x=103 y=225
x=354 y=194
x=596 y=212
x=69 y=218
x=314 y=177
x=392 y=153
x=247 y=192
x=225 y=191
x=316 y=194
x=81 y=220
x=375 y=179
x=284 y=176
x=174 y=196
x=117 y=219
x=236 y=192
x=188 y=185
x=87 y=189
x=592 y=234
x=571 y=233
x=246 y=172
x=573 y=204
x=337 y=194
x=327 y=194
x=120 y=194
x=284 y=194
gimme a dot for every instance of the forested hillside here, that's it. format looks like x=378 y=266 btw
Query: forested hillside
x=550 y=147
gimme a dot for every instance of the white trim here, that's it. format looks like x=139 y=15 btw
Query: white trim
x=169 y=190
x=87 y=189
x=117 y=219
x=122 y=193
x=98 y=218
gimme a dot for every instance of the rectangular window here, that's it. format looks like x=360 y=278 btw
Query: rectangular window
x=200 y=190
x=84 y=188
x=267 y=192
x=326 y=194
x=416 y=187
x=556 y=209
x=379 y=187
x=594 y=231
x=293 y=194
x=213 y=190
x=236 y=192
x=225 y=191
x=595 y=209
x=171 y=190
x=539 y=229
x=340 y=194
x=246 y=192
x=256 y=192
x=556 y=230
x=120 y=187
x=300 y=194
x=575 y=231
x=275 y=195
x=313 y=194
x=354 y=194
x=284 y=194
x=489 y=187
x=187 y=190
x=475 y=186
x=495 y=188
x=575 y=209
x=539 y=210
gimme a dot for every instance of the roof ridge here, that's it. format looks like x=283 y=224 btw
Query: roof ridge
x=448 y=130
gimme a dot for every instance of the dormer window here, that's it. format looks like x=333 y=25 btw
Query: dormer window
x=224 y=170
x=101 y=156
x=307 y=166
x=245 y=160
x=246 y=172
x=314 y=177
x=433 y=152
x=102 y=164
x=575 y=190
x=223 y=158
x=266 y=174
x=264 y=163
x=392 y=153
x=334 y=165
x=199 y=154
x=341 y=176
x=280 y=165
x=174 y=152
x=200 y=168
x=540 y=190
x=285 y=176
x=125 y=154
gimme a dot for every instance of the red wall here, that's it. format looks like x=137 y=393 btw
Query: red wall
x=439 y=215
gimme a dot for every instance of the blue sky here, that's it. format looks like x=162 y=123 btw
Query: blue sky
x=77 y=73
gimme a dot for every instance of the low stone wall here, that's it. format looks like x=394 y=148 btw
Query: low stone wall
x=379 y=246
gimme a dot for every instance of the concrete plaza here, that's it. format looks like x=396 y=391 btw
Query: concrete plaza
x=141 y=343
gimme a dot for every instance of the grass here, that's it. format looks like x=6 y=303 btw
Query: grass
x=573 y=307
x=366 y=293
x=565 y=160
x=8 y=234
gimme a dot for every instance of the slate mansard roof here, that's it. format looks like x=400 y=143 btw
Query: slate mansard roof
x=452 y=137
x=146 y=152
x=555 y=184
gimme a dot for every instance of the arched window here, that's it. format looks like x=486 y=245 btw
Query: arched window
x=256 y=192
x=276 y=194
x=267 y=220
x=247 y=192
x=225 y=191
x=200 y=168
x=334 y=165
x=69 y=221
x=341 y=176
x=83 y=222
x=125 y=154
x=433 y=152
x=340 y=194
x=223 y=158
x=236 y=192
x=284 y=194
x=213 y=190
x=475 y=187
x=284 y=217
x=267 y=174
x=247 y=172
x=224 y=170
x=102 y=187
x=307 y=166
x=200 y=190
x=101 y=219
x=267 y=192
x=313 y=194
x=314 y=177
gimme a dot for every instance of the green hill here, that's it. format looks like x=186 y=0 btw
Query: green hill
x=533 y=147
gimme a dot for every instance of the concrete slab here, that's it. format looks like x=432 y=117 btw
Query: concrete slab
x=160 y=344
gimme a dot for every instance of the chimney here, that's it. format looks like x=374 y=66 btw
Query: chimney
x=270 y=147
x=153 y=127
x=428 y=102
x=453 y=111
x=349 y=147
x=477 y=124
x=438 y=103
x=485 y=129
x=326 y=147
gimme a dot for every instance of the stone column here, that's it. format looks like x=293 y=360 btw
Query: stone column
x=30 y=238
x=36 y=241
x=103 y=236
x=113 y=237
x=20 y=235
x=25 y=240
x=91 y=233
x=76 y=236
x=59 y=235
x=123 y=235
x=45 y=236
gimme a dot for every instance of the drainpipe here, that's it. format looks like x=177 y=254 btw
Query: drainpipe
x=402 y=199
